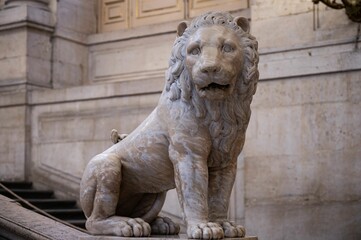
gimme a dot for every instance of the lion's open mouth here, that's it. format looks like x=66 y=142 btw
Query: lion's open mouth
x=216 y=86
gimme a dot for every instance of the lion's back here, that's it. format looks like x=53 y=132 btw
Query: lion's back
x=145 y=158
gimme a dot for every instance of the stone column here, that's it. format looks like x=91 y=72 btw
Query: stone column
x=26 y=29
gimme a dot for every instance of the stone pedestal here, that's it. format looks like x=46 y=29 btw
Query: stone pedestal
x=176 y=237
x=17 y=222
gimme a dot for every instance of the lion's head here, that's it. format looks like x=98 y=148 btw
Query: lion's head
x=213 y=67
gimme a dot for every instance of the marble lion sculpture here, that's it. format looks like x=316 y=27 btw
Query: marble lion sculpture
x=189 y=142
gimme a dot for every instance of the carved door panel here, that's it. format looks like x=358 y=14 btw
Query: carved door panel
x=197 y=7
x=123 y=14
x=146 y=12
x=113 y=15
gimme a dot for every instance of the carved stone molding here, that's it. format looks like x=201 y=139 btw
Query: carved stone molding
x=36 y=3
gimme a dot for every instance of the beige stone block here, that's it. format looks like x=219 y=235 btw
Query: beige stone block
x=12 y=43
x=275 y=131
x=282 y=178
x=39 y=71
x=77 y=16
x=59 y=126
x=38 y=45
x=81 y=129
x=67 y=74
x=309 y=61
x=20 y=15
x=150 y=87
x=299 y=91
x=276 y=8
x=70 y=52
x=330 y=220
x=12 y=149
x=354 y=88
x=271 y=33
x=67 y=159
x=10 y=96
x=131 y=60
x=339 y=175
x=331 y=126
x=314 y=177
x=70 y=63
x=12 y=69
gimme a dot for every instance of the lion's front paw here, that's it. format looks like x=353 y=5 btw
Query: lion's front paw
x=164 y=226
x=232 y=230
x=134 y=227
x=119 y=226
x=139 y=227
x=205 y=231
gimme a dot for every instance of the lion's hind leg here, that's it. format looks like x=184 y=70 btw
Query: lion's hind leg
x=99 y=195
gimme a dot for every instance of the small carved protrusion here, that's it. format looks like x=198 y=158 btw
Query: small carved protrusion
x=116 y=137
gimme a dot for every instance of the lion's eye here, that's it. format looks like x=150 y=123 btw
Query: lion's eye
x=227 y=48
x=195 y=51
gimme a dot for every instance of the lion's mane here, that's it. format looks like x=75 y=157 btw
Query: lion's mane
x=226 y=118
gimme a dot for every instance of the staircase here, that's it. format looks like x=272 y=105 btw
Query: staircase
x=65 y=210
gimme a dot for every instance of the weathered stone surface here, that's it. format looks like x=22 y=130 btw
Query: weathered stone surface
x=190 y=141
x=309 y=163
x=302 y=141
x=12 y=149
x=181 y=236
x=144 y=58
x=77 y=16
x=17 y=222
x=296 y=16
x=54 y=136
x=21 y=223
x=70 y=63
x=303 y=220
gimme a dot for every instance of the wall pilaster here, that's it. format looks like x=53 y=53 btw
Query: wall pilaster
x=26 y=29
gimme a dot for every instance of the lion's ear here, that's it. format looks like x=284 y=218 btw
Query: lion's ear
x=242 y=23
x=181 y=28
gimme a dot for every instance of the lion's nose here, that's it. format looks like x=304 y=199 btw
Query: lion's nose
x=210 y=69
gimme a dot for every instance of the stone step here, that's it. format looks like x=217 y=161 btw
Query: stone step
x=65 y=210
x=28 y=193
x=52 y=203
x=18 y=185
x=77 y=222
x=66 y=213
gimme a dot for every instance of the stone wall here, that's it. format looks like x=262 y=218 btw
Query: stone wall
x=25 y=64
x=302 y=151
x=75 y=20
x=299 y=172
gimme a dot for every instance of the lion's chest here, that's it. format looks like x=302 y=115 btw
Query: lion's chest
x=218 y=158
x=225 y=149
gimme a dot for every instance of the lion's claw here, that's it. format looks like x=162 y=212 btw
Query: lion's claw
x=232 y=230
x=139 y=227
x=205 y=231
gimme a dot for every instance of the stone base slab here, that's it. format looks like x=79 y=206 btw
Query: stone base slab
x=176 y=237
x=20 y=223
